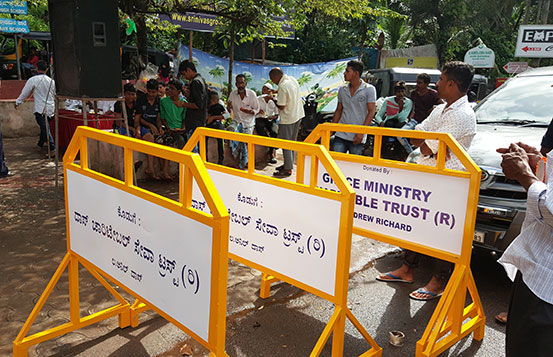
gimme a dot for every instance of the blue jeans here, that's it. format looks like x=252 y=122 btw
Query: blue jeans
x=409 y=125
x=189 y=133
x=42 y=122
x=239 y=148
x=342 y=145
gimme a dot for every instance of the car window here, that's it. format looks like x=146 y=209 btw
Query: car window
x=520 y=99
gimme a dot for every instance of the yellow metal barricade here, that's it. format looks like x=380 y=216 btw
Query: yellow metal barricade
x=452 y=320
x=227 y=179
x=211 y=332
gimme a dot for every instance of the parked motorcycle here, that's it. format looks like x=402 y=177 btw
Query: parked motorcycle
x=312 y=118
x=391 y=148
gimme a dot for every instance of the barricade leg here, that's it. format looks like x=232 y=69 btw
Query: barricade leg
x=336 y=325
x=135 y=310
x=71 y=262
x=452 y=321
x=266 y=281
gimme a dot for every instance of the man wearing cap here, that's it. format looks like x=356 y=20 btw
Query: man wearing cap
x=291 y=111
x=265 y=123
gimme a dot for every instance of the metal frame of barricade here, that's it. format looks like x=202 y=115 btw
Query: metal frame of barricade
x=128 y=314
x=451 y=320
x=336 y=324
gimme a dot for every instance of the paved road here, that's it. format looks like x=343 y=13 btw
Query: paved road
x=291 y=328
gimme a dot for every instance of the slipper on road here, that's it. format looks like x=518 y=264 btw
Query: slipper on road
x=392 y=278
x=429 y=295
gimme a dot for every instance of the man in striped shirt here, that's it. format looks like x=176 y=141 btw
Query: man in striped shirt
x=529 y=259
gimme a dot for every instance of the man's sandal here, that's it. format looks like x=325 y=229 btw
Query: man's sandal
x=392 y=278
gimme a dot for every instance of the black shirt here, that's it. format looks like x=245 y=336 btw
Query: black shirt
x=198 y=95
x=149 y=112
x=131 y=111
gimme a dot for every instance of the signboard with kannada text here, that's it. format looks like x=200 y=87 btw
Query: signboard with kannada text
x=16 y=7
x=120 y=233
x=14 y=26
x=277 y=228
x=426 y=209
x=535 y=41
x=480 y=57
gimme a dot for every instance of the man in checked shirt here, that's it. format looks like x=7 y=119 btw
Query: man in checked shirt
x=529 y=259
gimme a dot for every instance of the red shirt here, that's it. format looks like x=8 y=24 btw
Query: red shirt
x=423 y=104
x=33 y=60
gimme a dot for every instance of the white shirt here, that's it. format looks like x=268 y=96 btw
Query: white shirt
x=289 y=97
x=105 y=105
x=269 y=108
x=43 y=89
x=249 y=102
x=458 y=120
x=532 y=251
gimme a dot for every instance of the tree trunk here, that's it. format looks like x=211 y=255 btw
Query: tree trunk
x=363 y=39
x=545 y=12
x=231 y=58
x=141 y=41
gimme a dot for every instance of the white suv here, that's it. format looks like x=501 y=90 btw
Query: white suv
x=519 y=110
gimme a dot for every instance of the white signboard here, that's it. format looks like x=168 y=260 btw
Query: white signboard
x=422 y=208
x=535 y=41
x=293 y=233
x=516 y=67
x=480 y=57
x=161 y=255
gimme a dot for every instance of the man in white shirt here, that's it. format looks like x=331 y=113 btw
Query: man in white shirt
x=43 y=89
x=457 y=118
x=268 y=113
x=291 y=111
x=529 y=259
x=242 y=102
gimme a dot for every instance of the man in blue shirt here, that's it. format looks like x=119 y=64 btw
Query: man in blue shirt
x=355 y=106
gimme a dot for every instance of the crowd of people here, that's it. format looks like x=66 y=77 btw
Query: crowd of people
x=170 y=113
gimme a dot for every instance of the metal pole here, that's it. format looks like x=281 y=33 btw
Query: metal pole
x=96 y=114
x=17 y=59
x=85 y=112
x=124 y=112
x=57 y=131
x=190 y=44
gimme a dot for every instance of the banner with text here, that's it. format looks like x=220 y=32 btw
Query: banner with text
x=422 y=208
x=16 y=7
x=14 y=26
x=290 y=232
x=161 y=255
x=195 y=21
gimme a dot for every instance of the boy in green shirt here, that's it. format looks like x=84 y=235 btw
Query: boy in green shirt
x=171 y=122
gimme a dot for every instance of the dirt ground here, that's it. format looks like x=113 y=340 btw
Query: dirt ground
x=33 y=239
